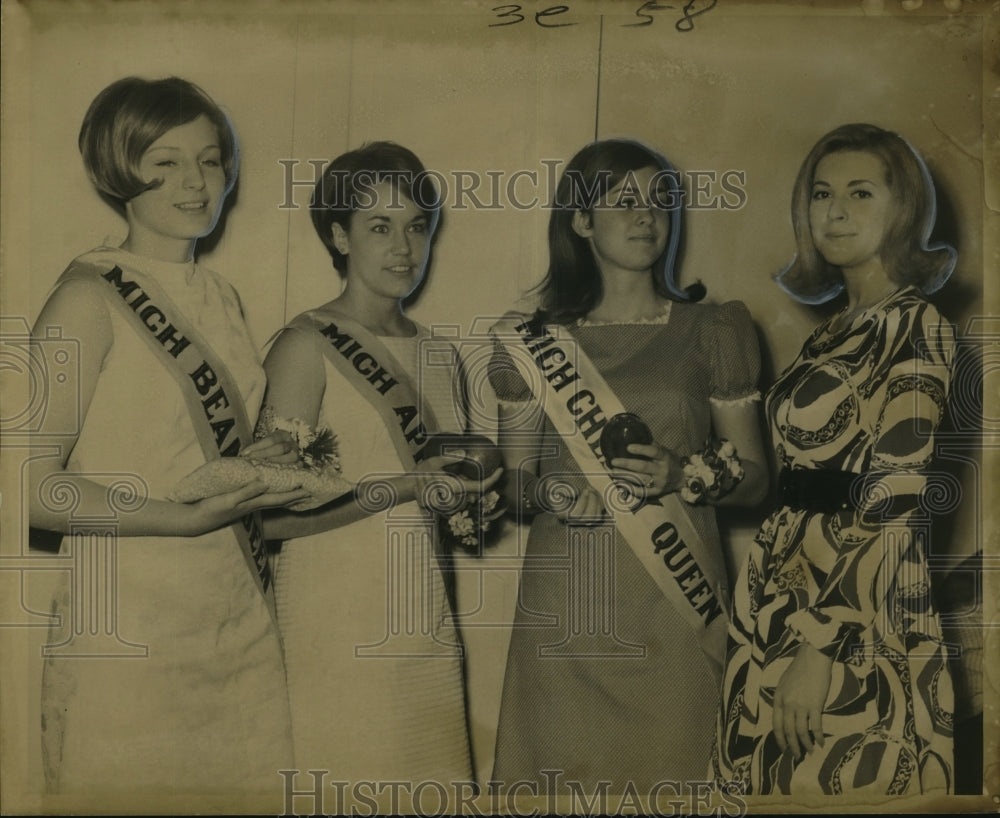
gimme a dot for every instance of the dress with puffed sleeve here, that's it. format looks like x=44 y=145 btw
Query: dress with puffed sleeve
x=605 y=680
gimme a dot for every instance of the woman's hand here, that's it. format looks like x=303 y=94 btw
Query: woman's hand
x=658 y=470
x=222 y=509
x=799 y=699
x=432 y=484
x=587 y=509
x=278 y=447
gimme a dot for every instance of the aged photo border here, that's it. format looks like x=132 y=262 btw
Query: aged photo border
x=21 y=82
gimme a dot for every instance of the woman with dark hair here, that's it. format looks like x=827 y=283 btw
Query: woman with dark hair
x=374 y=662
x=837 y=678
x=169 y=379
x=614 y=661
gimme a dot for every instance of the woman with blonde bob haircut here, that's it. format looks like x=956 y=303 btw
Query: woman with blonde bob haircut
x=169 y=379
x=905 y=252
x=126 y=118
x=837 y=677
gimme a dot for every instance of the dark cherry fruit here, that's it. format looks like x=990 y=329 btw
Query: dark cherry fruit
x=620 y=432
x=482 y=455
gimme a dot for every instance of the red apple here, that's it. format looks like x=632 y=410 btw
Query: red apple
x=482 y=455
x=620 y=432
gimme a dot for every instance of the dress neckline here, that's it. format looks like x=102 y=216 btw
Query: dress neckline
x=828 y=328
x=418 y=328
x=157 y=268
x=416 y=335
x=662 y=317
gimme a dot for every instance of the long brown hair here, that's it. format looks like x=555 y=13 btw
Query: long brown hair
x=572 y=285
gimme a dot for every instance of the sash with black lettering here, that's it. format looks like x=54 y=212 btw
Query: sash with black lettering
x=213 y=400
x=366 y=364
x=578 y=402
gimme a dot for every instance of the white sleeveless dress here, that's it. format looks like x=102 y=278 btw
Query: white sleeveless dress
x=205 y=710
x=374 y=663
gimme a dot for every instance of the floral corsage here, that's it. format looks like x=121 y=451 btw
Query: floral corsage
x=316 y=470
x=318 y=449
x=471 y=526
x=711 y=473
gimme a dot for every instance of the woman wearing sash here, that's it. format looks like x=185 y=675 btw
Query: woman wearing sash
x=614 y=661
x=837 y=678
x=187 y=694
x=374 y=662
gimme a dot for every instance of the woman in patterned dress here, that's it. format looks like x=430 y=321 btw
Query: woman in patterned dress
x=607 y=684
x=836 y=678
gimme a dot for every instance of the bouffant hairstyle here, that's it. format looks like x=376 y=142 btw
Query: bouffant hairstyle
x=906 y=255
x=130 y=115
x=346 y=187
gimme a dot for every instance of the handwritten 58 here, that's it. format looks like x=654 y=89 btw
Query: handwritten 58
x=510 y=14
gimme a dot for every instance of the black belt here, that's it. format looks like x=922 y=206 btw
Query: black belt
x=827 y=491
x=823 y=491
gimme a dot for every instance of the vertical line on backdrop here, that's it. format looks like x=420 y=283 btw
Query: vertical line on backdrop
x=350 y=106
x=350 y=79
x=291 y=154
x=597 y=100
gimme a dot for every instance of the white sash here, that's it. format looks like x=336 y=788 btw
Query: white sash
x=579 y=402
x=371 y=369
x=218 y=415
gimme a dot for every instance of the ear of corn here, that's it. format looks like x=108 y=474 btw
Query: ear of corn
x=230 y=473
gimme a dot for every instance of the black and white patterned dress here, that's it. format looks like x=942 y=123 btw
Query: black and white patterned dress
x=865 y=399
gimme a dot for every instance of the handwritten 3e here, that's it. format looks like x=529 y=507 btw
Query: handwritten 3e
x=510 y=14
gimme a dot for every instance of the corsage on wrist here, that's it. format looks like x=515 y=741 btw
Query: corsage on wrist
x=711 y=473
x=471 y=527
x=318 y=449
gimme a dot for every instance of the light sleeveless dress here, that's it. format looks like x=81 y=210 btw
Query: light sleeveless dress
x=374 y=662
x=205 y=709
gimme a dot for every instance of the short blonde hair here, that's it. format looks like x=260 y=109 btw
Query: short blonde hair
x=130 y=115
x=906 y=255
